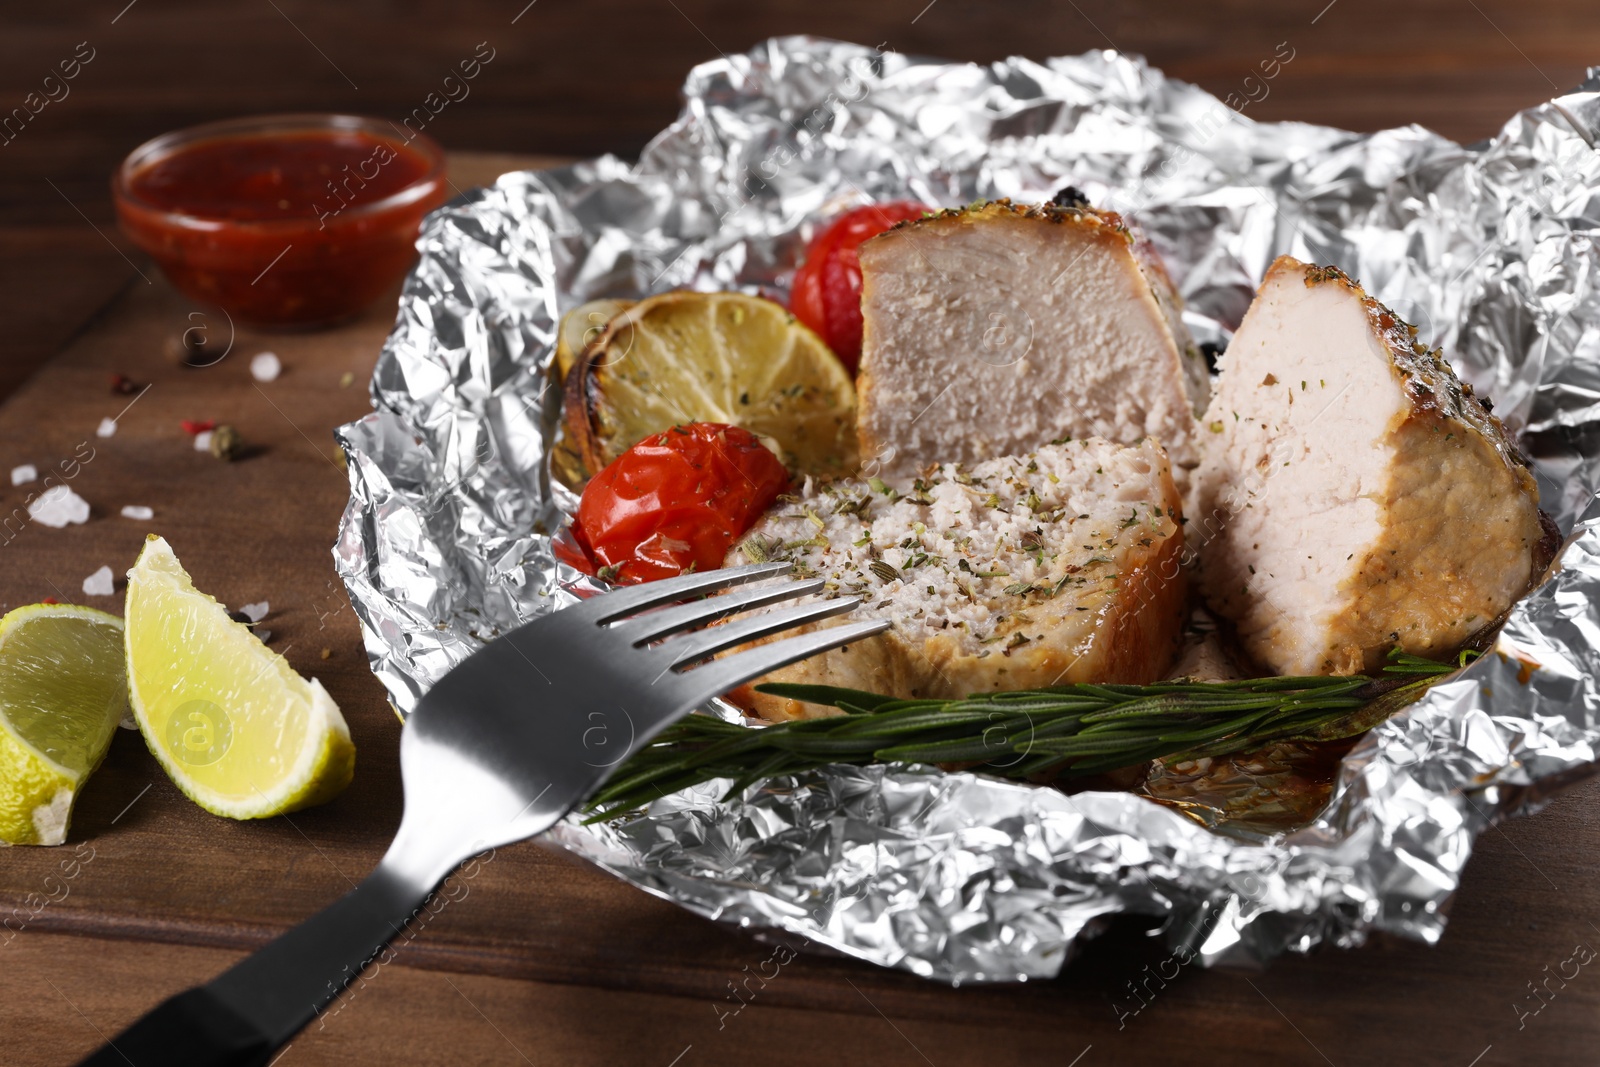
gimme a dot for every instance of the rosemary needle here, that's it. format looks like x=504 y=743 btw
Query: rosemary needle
x=1054 y=733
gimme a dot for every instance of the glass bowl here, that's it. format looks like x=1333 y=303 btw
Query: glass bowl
x=282 y=220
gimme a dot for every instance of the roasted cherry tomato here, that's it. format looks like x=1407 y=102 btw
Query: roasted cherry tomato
x=826 y=295
x=677 y=501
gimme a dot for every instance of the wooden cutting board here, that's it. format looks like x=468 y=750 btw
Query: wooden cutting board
x=535 y=956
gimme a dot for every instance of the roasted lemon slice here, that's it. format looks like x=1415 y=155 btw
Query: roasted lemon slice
x=62 y=693
x=230 y=721
x=580 y=327
x=712 y=357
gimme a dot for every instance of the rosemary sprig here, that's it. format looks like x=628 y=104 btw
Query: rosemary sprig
x=1042 y=734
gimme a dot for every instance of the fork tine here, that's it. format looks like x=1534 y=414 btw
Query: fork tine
x=631 y=600
x=730 y=672
x=707 y=642
x=670 y=620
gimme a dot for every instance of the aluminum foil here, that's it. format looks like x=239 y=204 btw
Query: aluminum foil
x=1489 y=248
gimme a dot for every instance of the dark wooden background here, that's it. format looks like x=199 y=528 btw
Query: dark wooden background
x=579 y=78
x=591 y=971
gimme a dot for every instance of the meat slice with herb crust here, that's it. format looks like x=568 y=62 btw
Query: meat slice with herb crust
x=1055 y=567
x=993 y=329
x=1355 y=495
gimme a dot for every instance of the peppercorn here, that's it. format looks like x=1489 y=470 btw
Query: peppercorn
x=225 y=443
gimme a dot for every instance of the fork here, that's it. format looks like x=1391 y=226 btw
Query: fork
x=498 y=750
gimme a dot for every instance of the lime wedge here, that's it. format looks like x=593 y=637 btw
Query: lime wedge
x=233 y=725
x=62 y=693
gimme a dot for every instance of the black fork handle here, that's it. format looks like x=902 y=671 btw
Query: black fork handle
x=244 y=1015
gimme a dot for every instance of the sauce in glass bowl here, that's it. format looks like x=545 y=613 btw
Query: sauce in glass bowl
x=288 y=220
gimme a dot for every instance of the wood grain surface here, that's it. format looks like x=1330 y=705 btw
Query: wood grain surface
x=580 y=77
x=539 y=958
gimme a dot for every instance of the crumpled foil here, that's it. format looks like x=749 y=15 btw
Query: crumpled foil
x=1490 y=249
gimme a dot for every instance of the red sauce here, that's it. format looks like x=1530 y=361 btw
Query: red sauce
x=296 y=176
x=300 y=226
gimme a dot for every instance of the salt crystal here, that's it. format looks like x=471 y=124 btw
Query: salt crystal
x=58 y=506
x=137 y=511
x=265 y=366
x=24 y=474
x=255 y=612
x=202 y=441
x=99 y=583
x=108 y=426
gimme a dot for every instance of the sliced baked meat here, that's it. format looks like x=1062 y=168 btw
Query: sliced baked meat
x=995 y=329
x=1355 y=495
x=1056 y=567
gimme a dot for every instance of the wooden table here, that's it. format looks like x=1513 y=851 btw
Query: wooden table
x=539 y=958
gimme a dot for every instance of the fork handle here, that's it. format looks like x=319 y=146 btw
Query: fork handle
x=244 y=1015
